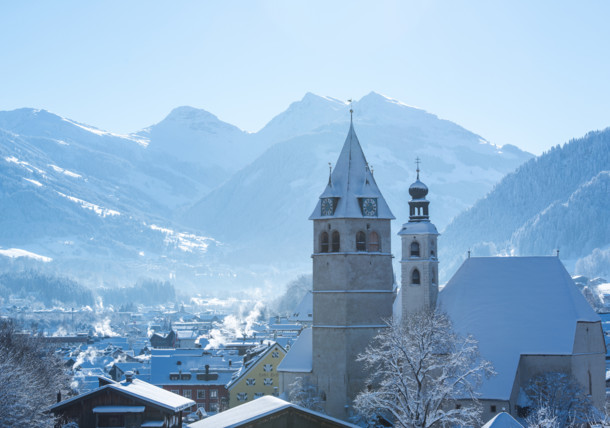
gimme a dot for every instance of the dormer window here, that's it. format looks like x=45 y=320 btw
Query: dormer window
x=414 y=249
x=324 y=242
x=360 y=241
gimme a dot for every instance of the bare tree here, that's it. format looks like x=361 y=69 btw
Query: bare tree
x=557 y=400
x=31 y=375
x=421 y=368
x=305 y=394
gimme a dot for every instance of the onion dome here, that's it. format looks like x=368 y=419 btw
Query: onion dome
x=418 y=190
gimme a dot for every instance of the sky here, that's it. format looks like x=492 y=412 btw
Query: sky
x=533 y=74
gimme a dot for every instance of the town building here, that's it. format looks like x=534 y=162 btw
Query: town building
x=196 y=374
x=271 y=412
x=131 y=403
x=258 y=376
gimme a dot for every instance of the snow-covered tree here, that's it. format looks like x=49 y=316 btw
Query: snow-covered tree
x=30 y=377
x=303 y=393
x=421 y=368
x=557 y=397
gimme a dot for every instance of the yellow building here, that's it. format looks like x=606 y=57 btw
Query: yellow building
x=258 y=376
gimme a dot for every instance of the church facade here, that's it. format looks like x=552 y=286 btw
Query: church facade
x=354 y=294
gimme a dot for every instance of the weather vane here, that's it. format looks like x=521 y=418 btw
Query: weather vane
x=417 y=161
x=351 y=111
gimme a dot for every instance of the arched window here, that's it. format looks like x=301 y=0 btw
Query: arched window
x=415 y=277
x=374 y=242
x=324 y=242
x=414 y=249
x=432 y=277
x=335 y=244
x=360 y=241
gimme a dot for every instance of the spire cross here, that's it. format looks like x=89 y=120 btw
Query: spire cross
x=417 y=161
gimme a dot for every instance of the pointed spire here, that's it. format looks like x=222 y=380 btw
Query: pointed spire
x=330 y=174
x=352 y=180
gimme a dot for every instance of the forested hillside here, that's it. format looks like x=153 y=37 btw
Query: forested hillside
x=558 y=200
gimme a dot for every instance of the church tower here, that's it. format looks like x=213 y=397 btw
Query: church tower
x=352 y=276
x=419 y=262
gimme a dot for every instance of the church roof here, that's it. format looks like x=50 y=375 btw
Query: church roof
x=350 y=180
x=300 y=357
x=514 y=306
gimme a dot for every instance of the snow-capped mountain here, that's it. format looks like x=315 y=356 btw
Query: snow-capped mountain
x=262 y=210
x=90 y=202
x=198 y=199
x=559 y=200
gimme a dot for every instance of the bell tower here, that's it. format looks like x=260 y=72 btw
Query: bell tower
x=419 y=262
x=352 y=276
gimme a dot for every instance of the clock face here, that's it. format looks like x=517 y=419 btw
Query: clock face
x=328 y=206
x=369 y=207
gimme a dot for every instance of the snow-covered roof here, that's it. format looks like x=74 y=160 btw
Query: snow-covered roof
x=417 y=227
x=138 y=390
x=300 y=357
x=352 y=179
x=163 y=365
x=248 y=412
x=304 y=310
x=502 y=420
x=514 y=306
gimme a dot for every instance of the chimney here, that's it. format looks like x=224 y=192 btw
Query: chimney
x=230 y=363
x=128 y=376
x=58 y=396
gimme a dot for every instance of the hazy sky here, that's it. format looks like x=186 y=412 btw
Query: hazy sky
x=530 y=73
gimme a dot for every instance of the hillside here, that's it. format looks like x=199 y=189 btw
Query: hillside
x=558 y=200
x=261 y=212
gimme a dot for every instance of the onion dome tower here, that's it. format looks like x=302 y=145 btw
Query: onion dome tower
x=419 y=262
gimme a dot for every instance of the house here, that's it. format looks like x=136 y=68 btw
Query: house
x=195 y=374
x=258 y=375
x=132 y=403
x=529 y=318
x=271 y=412
x=163 y=341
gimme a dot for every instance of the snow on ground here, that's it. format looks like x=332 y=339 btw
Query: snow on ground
x=184 y=241
x=65 y=171
x=29 y=167
x=37 y=183
x=14 y=253
x=101 y=211
x=141 y=141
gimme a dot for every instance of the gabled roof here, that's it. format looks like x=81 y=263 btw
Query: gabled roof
x=245 y=369
x=304 y=310
x=138 y=390
x=350 y=180
x=514 y=306
x=502 y=420
x=259 y=408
